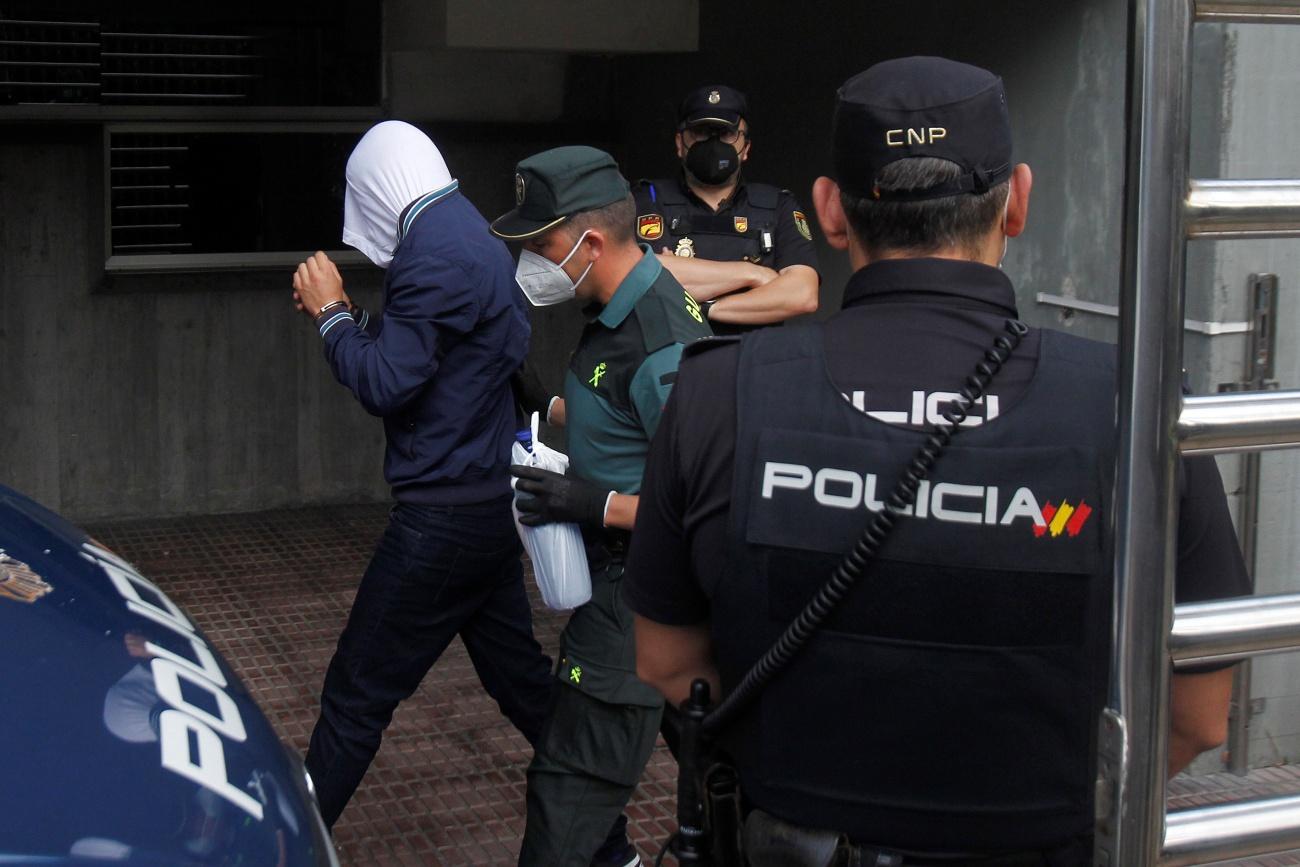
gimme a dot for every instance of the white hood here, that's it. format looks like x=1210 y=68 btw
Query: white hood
x=393 y=165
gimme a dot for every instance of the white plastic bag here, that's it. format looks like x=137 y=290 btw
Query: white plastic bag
x=559 y=558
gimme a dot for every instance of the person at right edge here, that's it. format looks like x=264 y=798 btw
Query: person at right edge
x=946 y=713
x=742 y=249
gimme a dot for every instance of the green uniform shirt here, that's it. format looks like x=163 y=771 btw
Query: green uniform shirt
x=622 y=372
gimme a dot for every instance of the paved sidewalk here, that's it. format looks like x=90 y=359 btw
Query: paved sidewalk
x=272 y=591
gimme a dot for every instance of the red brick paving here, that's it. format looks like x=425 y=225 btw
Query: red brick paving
x=272 y=591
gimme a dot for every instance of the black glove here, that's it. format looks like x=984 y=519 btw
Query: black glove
x=557 y=497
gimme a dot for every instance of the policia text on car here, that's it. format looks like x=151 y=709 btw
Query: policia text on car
x=944 y=712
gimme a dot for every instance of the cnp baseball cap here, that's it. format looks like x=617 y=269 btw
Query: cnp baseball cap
x=921 y=107
x=713 y=103
x=554 y=185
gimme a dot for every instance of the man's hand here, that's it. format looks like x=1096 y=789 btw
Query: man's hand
x=557 y=498
x=317 y=282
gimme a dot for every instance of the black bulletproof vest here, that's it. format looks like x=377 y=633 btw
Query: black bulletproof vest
x=747 y=230
x=950 y=702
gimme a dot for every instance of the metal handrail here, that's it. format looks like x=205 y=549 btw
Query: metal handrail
x=1243 y=209
x=1239 y=422
x=1238 y=830
x=1227 y=630
x=1248 y=11
x=1163 y=208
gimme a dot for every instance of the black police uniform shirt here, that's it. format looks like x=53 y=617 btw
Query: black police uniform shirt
x=919 y=325
x=759 y=223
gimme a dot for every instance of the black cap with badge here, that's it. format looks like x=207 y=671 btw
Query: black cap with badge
x=554 y=185
x=712 y=103
x=922 y=107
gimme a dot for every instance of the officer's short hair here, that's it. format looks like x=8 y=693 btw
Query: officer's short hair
x=928 y=225
x=617 y=220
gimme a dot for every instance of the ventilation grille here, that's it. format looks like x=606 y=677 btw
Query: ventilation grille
x=49 y=61
x=149 y=193
x=162 y=68
x=80 y=63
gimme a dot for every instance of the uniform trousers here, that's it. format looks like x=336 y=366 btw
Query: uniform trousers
x=600 y=734
x=438 y=572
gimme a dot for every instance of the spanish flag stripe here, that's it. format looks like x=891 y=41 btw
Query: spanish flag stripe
x=1062 y=515
x=1080 y=516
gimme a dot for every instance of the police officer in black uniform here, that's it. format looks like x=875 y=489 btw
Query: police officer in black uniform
x=742 y=249
x=945 y=713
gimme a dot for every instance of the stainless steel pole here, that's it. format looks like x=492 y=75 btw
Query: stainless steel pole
x=1133 y=743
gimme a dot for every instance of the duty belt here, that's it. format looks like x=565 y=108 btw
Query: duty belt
x=772 y=842
x=604 y=544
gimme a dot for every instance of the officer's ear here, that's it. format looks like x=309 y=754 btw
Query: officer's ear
x=595 y=242
x=681 y=148
x=1022 y=180
x=830 y=212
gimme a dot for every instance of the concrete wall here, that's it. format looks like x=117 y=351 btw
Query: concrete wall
x=143 y=402
x=1063 y=63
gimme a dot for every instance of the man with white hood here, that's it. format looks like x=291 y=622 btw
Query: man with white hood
x=435 y=366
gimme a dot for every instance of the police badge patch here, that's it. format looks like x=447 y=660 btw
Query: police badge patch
x=18 y=581
x=685 y=248
x=741 y=224
x=801 y=223
x=650 y=226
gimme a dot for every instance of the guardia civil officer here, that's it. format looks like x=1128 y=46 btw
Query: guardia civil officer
x=435 y=365
x=743 y=249
x=574 y=219
x=945 y=713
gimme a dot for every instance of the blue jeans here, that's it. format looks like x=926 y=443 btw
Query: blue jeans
x=438 y=571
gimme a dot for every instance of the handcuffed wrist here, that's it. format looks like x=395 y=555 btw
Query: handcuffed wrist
x=604 y=514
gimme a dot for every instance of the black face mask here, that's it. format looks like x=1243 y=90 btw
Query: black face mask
x=712 y=161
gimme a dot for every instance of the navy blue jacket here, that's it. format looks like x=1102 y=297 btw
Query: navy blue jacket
x=436 y=366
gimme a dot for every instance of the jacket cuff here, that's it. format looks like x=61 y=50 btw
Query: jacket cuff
x=334 y=320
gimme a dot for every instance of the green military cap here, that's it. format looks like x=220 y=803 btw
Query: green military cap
x=554 y=185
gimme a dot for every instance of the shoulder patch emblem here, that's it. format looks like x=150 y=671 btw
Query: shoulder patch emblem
x=685 y=247
x=693 y=308
x=801 y=223
x=741 y=223
x=650 y=226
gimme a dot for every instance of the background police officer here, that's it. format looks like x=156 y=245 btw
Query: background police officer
x=947 y=708
x=574 y=218
x=744 y=249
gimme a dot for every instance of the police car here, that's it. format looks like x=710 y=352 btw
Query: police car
x=124 y=738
